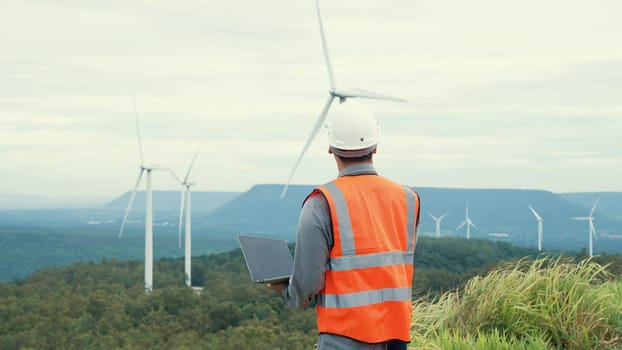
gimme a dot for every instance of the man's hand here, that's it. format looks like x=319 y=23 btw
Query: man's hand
x=278 y=287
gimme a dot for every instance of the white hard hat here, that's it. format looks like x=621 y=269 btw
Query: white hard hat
x=353 y=130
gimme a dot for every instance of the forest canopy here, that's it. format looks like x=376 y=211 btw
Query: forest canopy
x=103 y=305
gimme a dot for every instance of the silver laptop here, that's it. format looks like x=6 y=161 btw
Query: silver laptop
x=268 y=259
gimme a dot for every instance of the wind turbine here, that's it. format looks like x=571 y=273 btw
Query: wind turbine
x=467 y=221
x=590 y=220
x=438 y=223
x=186 y=203
x=540 y=232
x=334 y=92
x=148 y=208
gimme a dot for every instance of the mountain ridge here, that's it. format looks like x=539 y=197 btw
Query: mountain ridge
x=494 y=211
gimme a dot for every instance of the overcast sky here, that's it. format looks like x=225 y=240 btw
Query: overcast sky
x=521 y=94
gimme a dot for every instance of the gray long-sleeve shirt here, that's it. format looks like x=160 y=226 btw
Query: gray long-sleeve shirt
x=314 y=241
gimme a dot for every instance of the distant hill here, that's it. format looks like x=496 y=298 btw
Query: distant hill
x=108 y=217
x=260 y=209
x=507 y=211
x=610 y=203
x=170 y=200
x=494 y=211
x=92 y=233
x=500 y=214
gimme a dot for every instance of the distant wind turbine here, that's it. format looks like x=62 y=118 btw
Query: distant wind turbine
x=592 y=229
x=438 y=223
x=186 y=203
x=467 y=221
x=540 y=232
x=334 y=92
x=148 y=208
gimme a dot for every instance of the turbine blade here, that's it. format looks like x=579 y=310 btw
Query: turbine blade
x=181 y=213
x=129 y=205
x=360 y=93
x=534 y=213
x=462 y=224
x=316 y=128
x=594 y=207
x=473 y=225
x=174 y=175
x=140 y=142
x=433 y=217
x=442 y=216
x=192 y=162
x=329 y=66
x=592 y=228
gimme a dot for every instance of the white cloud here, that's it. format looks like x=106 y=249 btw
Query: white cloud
x=495 y=88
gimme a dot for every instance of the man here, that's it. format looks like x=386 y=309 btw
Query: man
x=355 y=245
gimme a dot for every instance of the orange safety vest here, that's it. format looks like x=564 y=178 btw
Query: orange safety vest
x=367 y=294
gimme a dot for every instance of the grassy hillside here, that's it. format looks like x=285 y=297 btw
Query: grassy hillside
x=541 y=304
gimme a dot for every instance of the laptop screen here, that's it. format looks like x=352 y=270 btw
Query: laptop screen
x=268 y=259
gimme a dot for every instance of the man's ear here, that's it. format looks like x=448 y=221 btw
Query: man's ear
x=375 y=149
x=330 y=150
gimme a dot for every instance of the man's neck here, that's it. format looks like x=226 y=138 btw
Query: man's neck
x=342 y=165
x=358 y=168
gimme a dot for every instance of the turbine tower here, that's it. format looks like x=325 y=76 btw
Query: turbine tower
x=467 y=221
x=438 y=223
x=148 y=209
x=334 y=92
x=540 y=232
x=592 y=229
x=186 y=204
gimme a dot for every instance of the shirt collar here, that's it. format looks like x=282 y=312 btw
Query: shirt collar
x=358 y=169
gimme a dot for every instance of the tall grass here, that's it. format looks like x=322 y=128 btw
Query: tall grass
x=539 y=304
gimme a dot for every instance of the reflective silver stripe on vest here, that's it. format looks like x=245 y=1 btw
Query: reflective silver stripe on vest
x=365 y=298
x=350 y=262
x=343 y=219
x=411 y=214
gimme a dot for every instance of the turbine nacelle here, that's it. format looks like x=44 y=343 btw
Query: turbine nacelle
x=472 y=224
x=143 y=167
x=467 y=221
x=344 y=94
x=438 y=223
x=538 y=217
x=334 y=92
x=540 y=230
x=591 y=227
x=156 y=167
x=187 y=205
x=437 y=219
x=148 y=207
